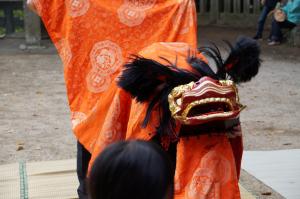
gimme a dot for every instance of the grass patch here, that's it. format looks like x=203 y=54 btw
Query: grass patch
x=1 y=13
x=18 y=14
x=2 y=31
x=19 y=29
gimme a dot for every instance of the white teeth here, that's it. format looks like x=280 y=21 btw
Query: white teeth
x=209 y=100
x=178 y=101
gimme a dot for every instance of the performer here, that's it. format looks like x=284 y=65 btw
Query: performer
x=192 y=111
x=93 y=39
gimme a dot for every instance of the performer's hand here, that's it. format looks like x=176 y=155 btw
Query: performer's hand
x=31 y=6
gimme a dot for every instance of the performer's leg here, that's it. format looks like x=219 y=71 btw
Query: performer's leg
x=83 y=159
x=287 y=25
x=276 y=30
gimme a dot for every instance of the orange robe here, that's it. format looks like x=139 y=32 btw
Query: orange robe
x=94 y=38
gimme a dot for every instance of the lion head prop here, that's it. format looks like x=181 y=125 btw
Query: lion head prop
x=186 y=90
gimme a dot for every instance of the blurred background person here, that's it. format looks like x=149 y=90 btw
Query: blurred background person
x=268 y=6
x=287 y=17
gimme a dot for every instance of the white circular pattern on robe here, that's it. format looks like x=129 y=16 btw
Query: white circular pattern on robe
x=38 y=7
x=222 y=169
x=112 y=134
x=176 y=46
x=77 y=8
x=131 y=16
x=96 y=83
x=106 y=57
x=202 y=185
x=64 y=51
x=116 y=108
x=109 y=136
x=111 y=127
x=77 y=118
x=140 y=4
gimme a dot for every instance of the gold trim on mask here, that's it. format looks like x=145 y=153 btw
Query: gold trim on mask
x=177 y=93
x=220 y=88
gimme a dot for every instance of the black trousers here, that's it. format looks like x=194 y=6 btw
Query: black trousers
x=276 y=33
x=83 y=159
x=262 y=19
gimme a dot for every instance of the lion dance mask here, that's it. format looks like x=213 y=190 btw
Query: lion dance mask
x=185 y=89
x=204 y=101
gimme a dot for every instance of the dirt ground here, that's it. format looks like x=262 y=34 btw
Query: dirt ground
x=34 y=115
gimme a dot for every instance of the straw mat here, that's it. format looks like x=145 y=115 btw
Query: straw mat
x=46 y=180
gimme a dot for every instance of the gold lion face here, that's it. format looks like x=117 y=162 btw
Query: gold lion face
x=205 y=101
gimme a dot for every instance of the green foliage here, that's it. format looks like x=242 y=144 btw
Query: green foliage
x=1 y=13
x=19 y=14
x=19 y=29
x=2 y=31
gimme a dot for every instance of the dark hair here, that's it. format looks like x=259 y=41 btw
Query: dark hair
x=131 y=169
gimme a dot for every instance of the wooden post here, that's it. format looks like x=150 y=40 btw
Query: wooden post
x=237 y=6
x=32 y=26
x=227 y=6
x=214 y=11
x=203 y=7
x=247 y=7
x=256 y=7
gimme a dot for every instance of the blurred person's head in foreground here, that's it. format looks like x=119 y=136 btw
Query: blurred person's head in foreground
x=131 y=169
